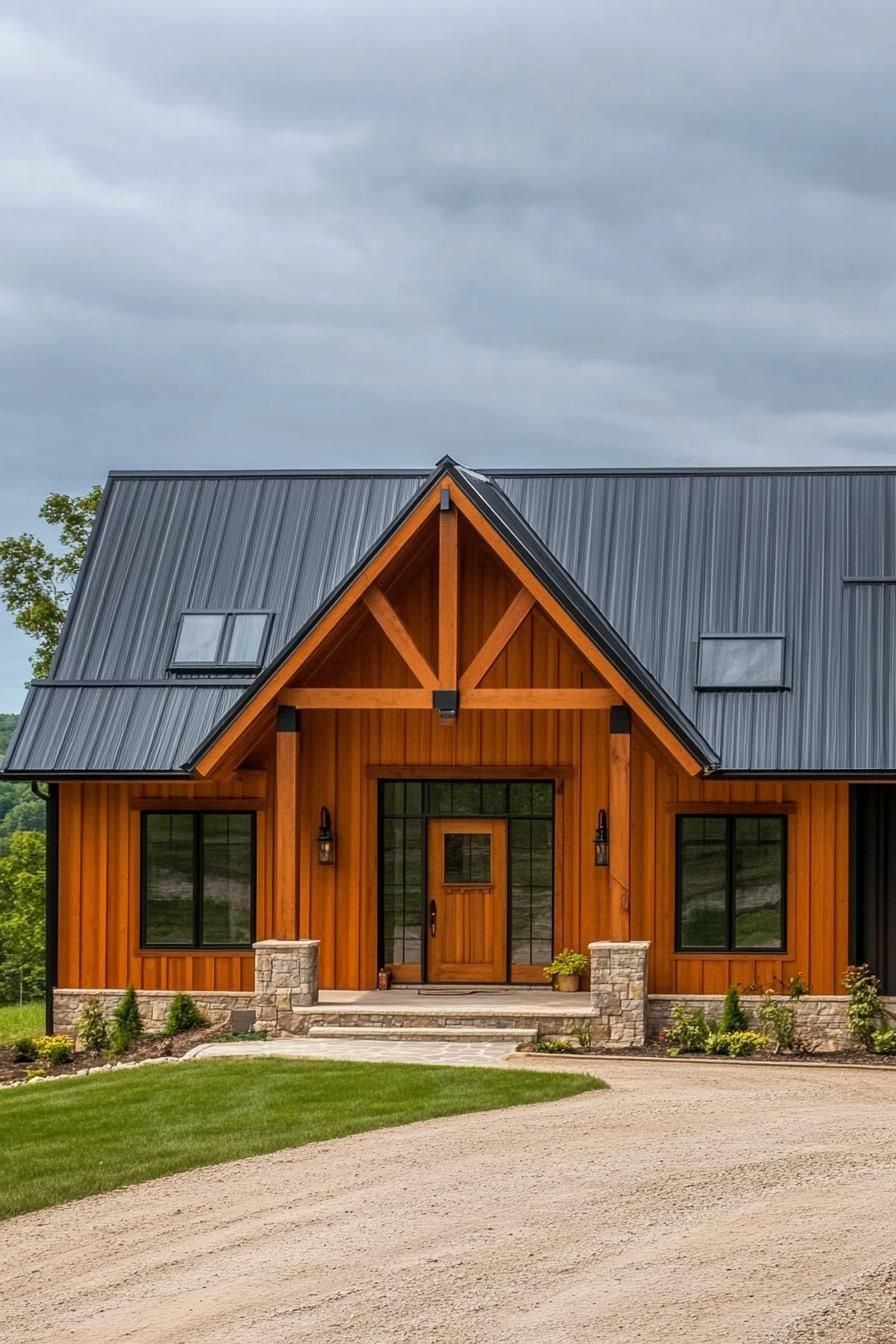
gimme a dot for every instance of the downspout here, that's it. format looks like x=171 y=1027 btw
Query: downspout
x=51 y=936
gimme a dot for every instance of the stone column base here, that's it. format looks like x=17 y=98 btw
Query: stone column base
x=286 y=978
x=619 y=993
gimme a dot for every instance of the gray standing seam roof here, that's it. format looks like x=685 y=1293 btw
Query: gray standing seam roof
x=646 y=561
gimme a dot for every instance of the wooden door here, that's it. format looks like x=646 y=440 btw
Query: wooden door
x=466 y=904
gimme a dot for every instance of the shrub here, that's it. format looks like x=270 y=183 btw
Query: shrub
x=567 y=962
x=93 y=1029
x=128 y=1024
x=554 y=1046
x=733 y=1016
x=688 y=1032
x=797 y=986
x=865 y=1013
x=55 y=1049
x=183 y=1015
x=24 y=1049
x=778 y=1021
x=743 y=1043
x=883 y=1042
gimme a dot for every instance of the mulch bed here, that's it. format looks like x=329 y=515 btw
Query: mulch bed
x=151 y=1046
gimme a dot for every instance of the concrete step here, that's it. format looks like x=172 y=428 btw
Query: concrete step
x=512 y=1035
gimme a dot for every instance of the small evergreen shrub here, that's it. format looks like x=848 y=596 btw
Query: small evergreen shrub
x=56 y=1049
x=865 y=1014
x=733 y=1016
x=127 y=1024
x=778 y=1022
x=183 y=1015
x=24 y=1050
x=883 y=1042
x=93 y=1029
x=688 y=1031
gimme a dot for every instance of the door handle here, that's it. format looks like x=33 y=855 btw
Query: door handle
x=433 y=911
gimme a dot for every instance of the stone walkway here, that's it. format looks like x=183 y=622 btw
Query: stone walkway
x=491 y=1054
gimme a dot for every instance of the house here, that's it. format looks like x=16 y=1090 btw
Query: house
x=450 y=723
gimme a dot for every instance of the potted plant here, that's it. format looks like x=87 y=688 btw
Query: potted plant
x=566 y=970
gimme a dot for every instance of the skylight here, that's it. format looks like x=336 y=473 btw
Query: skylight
x=226 y=639
x=740 y=662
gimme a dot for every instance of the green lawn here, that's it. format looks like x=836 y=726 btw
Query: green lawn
x=25 y=1021
x=63 y=1140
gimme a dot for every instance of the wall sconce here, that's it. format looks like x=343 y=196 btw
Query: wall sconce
x=602 y=841
x=326 y=842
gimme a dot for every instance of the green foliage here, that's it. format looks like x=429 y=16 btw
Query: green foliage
x=246 y=1036
x=35 y=583
x=93 y=1029
x=778 y=1022
x=736 y=1044
x=56 y=1049
x=689 y=1032
x=797 y=986
x=567 y=962
x=733 y=1016
x=82 y=1136
x=22 y=891
x=883 y=1042
x=554 y=1045
x=24 y=1049
x=865 y=1013
x=183 y=1015
x=127 y=1023
x=583 y=1036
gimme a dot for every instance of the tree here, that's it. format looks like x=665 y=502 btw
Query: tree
x=22 y=879
x=35 y=584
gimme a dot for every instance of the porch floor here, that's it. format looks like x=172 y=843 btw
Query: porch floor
x=459 y=1001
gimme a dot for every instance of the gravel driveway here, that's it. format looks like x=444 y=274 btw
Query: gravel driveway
x=690 y=1202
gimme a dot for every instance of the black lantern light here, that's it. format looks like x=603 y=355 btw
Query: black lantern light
x=601 y=841
x=326 y=843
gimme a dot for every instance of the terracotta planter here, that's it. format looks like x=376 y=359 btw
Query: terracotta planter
x=567 y=984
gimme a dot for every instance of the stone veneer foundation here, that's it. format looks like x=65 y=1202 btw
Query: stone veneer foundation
x=820 y=1018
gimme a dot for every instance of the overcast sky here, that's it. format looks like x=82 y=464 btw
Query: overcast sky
x=334 y=233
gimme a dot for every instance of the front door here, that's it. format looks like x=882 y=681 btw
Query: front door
x=466 y=908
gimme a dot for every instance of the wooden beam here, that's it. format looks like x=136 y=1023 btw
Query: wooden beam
x=356 y=697
x=538 y=697
x=399 y=636
x=448 y=598
x=286 y=838
x=620 y=826
x=499 y=638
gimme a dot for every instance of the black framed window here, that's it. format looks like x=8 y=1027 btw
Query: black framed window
x=198 y=887
x=731 y=888
x=225 y=639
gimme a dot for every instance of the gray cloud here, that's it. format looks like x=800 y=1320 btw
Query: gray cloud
x=369 y=232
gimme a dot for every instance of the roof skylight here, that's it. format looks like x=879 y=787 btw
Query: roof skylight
x=229 y=639
x=740 y=663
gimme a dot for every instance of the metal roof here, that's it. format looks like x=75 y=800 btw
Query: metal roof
x=645 y=561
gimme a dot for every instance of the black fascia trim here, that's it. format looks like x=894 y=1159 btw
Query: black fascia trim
x=49 y=773
x=313 y=620
x=869 y=580
x=215 y=681
x=309 y=474
x=52 y=904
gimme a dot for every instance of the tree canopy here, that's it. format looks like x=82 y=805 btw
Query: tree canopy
x=36 y=583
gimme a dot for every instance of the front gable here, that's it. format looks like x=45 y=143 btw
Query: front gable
x=427 y=623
